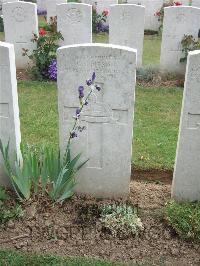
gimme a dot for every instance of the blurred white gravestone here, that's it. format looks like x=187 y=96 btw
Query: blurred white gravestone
x=178 y=21
x=107 y=140
x=101 y=5
x=127 y=27
x=9 y=110
x=196 y=3
x=74 y=21
x=186 y=180
x=20 y=23
x=151 y=7
x=51 y=7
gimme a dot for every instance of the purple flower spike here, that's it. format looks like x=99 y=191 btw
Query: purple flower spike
x=93 y=76
x=98 y=87
x=89 y=82
x=81 y=93
x=73 y=135
x=78 y=111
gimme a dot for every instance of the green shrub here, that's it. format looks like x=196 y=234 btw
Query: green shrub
x=184 y=218
x=121 y=220
x=146 y=73
x=188 y=44
x=7 y=214
x=47 y=45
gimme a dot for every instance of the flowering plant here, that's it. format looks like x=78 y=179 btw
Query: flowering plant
x=41 y=12
x=99 y=20
x=44 y=64
x=46 y=172
x=160 y=13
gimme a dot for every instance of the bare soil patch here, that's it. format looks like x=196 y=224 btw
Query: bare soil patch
x=74 y=229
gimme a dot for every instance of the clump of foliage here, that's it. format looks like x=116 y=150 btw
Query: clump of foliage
x=121 y=220
x=184 y=218
x=6 y=212
x=160 y=13
x=189 y=43
x=99 y=20
x=45 y=171
x=146 y=73
x=47 y=44
x=1 y=24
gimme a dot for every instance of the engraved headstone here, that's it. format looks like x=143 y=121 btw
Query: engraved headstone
x=75 y=23
x=20 y=23
x=186 y=180
x=51 y=7
x=127 y=27
x=151 y=7
x=108 y=118
x=178 y=21
x=9 y=110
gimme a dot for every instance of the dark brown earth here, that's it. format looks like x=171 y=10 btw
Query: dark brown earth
x=70 y=230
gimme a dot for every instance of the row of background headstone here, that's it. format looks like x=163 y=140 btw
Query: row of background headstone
x=107 y=174
x=126 y=28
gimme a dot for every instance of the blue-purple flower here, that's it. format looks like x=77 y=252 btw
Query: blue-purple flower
x=78 y=111
x=52 y=70
x=73 y=134
x=81 y=92
x=41 y=12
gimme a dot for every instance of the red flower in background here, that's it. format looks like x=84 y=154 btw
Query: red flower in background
x=105 y=13
x=178 y=3
x=157 y=14
x=42 y=32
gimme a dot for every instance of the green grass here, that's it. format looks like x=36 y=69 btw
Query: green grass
x=157 y=114
x=185 y=219
x=151 y=50
x=13 y=258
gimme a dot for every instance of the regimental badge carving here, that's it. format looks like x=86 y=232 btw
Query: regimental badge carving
x=74 y=15
x=19 y=14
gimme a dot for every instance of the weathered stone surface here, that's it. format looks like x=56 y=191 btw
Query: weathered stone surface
x=51 y=7
x=196 y=3
x=20 y=22
x=108 y=118
x=186 y=181
x=5 y=1
x=75 y=23
x=178 y=21
x=151 y=6
x=127 y=27
x=9 y=111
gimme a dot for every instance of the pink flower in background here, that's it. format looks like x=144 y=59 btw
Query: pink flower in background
x=105 y=13
x=177 y=3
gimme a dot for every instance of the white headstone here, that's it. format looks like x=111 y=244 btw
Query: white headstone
x=5 y=1
x=127 y=27
x=74 y=21
x=108 y=118
x=186 y=181
x=9 y=110
x=20 y=23
x=151 y=7
x=196 y=3
x=178 y=21
x=101 y=5
x=51 y=7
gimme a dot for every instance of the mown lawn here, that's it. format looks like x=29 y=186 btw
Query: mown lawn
x=157 y=115
x=12 y=258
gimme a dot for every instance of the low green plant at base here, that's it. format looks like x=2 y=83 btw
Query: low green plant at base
x=121 y=220
x=7 y=214
x=184 y=218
